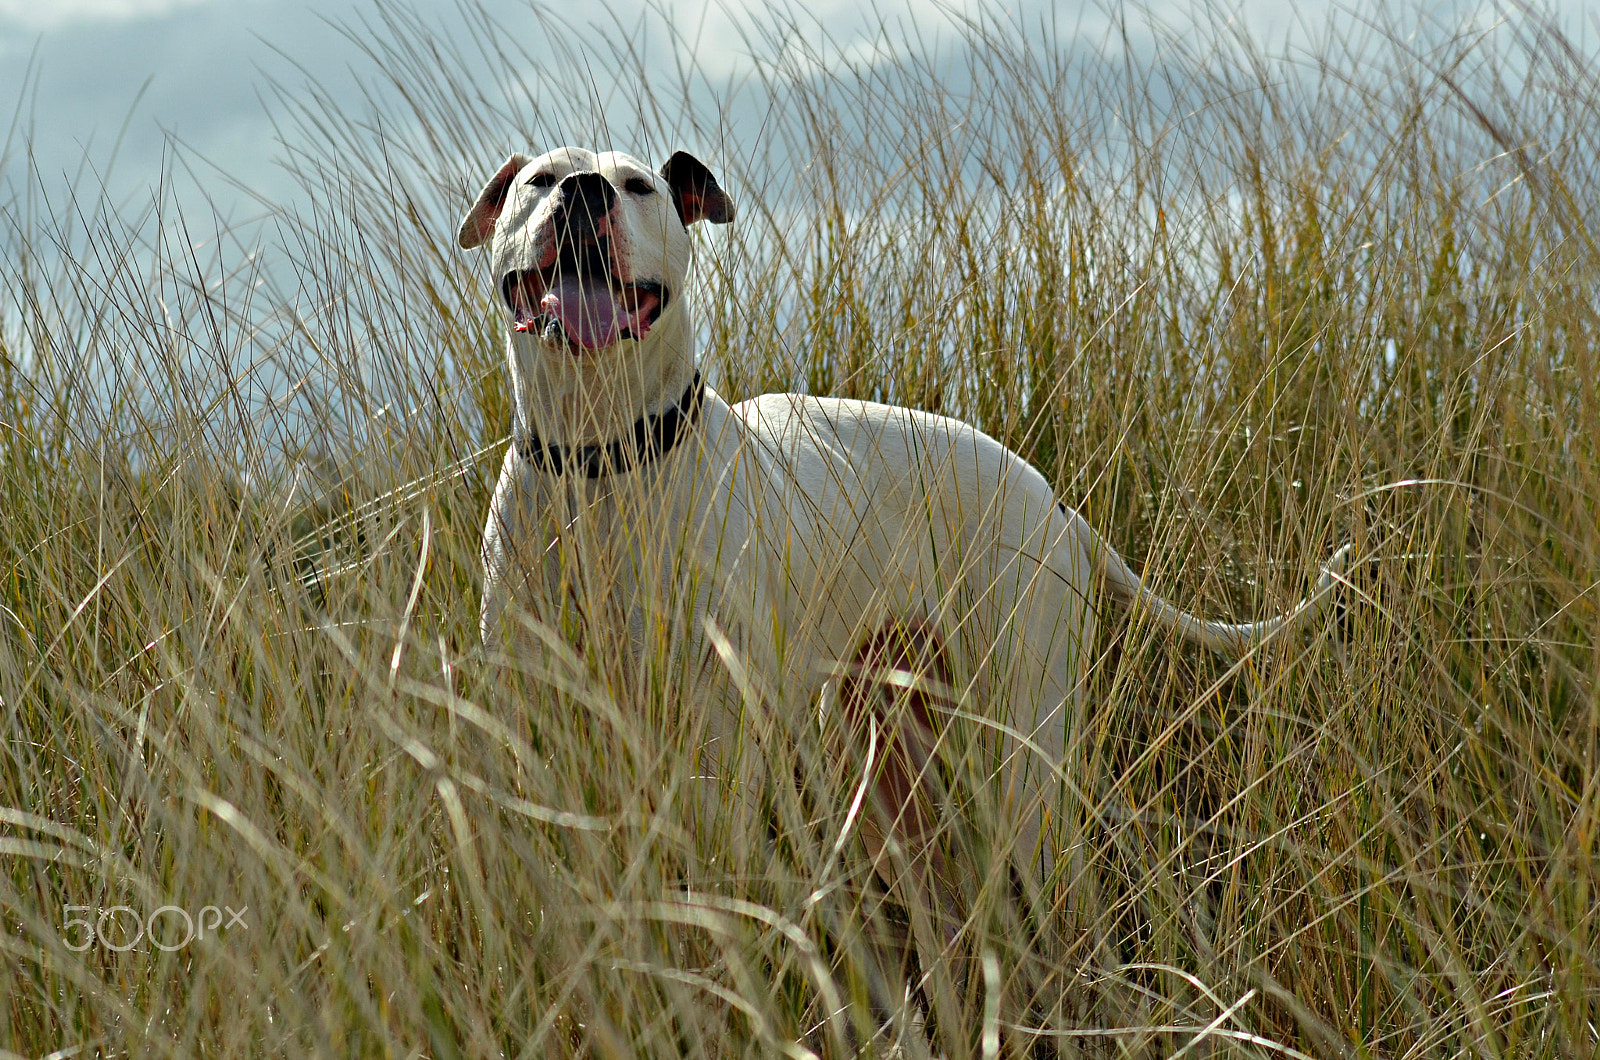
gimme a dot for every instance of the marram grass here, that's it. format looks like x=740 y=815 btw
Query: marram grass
x=1240 y=308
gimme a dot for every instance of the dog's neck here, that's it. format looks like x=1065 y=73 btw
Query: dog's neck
x=597 y=398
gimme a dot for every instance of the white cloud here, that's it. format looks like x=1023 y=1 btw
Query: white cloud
x=35 y=15
x=833 y=32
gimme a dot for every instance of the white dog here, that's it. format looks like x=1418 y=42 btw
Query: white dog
x=791 y=542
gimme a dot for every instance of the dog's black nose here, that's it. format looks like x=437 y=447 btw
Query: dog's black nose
x=585 y=199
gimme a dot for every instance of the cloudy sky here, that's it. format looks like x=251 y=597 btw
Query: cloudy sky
x=74 y=74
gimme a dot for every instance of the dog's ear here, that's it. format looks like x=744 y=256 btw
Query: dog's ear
x=695 y=192
x=478 y=226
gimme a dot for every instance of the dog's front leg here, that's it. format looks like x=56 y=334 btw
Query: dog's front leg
x=527 y=561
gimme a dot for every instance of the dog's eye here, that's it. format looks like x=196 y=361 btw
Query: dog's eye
x=541 y=180
x=638 y=186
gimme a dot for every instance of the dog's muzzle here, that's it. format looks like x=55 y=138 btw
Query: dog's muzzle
x=574 y=295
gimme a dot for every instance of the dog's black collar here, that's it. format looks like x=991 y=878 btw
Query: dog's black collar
x=653 y=437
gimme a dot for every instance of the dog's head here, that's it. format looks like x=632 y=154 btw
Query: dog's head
x=591 y=250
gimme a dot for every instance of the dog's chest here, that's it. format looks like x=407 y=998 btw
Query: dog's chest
x=645 y=553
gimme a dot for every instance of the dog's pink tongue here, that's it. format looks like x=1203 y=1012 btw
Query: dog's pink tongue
x=587 y=309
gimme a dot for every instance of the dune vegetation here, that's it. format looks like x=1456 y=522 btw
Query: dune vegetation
x=1241 y=304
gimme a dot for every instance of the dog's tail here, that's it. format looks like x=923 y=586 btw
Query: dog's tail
x=1232 y=639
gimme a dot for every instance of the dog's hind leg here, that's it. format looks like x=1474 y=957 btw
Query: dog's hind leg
x=892 y=699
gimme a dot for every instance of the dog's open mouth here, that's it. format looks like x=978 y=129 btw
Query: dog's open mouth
x=588 y=310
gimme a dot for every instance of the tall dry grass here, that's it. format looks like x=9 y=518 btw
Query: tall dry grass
x=1240 y=307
